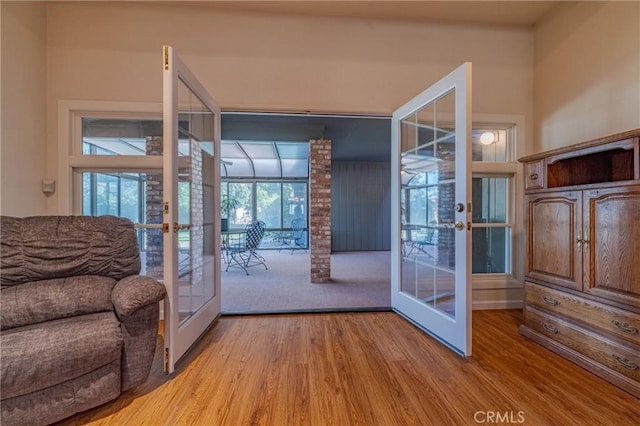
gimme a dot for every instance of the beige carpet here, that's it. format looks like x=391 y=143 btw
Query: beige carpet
x=360 y=281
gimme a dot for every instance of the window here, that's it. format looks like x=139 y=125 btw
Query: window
x=494 y=171
x=491 y=225
x=265 y=181
x=114 y=166
x=276 y=203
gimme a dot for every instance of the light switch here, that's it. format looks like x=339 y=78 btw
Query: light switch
x=48 y=186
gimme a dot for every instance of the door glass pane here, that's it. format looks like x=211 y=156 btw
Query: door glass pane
x=195 y=191
x=428 y=191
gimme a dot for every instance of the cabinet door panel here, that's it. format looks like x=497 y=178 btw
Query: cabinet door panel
x=553 y=229
x=612 y=228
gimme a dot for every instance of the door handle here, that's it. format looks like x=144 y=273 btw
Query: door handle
x=459 y=226
x=181 y=227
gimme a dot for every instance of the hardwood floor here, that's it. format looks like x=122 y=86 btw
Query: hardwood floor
x=366 y=369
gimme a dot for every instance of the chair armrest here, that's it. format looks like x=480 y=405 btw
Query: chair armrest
x=134 y=292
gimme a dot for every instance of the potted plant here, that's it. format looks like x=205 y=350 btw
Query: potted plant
x=227 y=205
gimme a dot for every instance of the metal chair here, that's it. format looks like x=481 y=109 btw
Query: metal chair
x=296 y=238
x=242 y=253
x=420 y=244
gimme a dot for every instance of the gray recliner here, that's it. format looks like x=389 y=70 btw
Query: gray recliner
x=78 y=324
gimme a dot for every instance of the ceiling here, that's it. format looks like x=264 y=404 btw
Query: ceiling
x=509 y=13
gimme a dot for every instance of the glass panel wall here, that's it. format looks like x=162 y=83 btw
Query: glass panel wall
x=269 y=203
x=277 y=203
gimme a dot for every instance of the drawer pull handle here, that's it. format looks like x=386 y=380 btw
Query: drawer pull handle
x=624 y=326
x=533 y=176
x=625 y=362
x=551 y=329
x=550 y=301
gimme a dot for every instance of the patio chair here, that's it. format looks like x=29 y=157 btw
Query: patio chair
x=422 y=243
x=296 y=238
x=242 y=252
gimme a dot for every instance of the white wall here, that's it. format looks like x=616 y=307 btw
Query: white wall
x=23 y=141
x=587 y=72
x=103 y=51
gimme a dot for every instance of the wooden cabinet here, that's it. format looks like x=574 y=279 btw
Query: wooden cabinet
x=582 y=221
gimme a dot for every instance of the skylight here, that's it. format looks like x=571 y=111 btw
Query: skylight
x=258 y=159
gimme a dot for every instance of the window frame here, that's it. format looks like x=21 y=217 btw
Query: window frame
x=72 y=162
x=512 y=170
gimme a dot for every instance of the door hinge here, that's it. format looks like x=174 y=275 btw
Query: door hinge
x=165 y=207
x=166 y=360
x=166 y=57
x=165 y=228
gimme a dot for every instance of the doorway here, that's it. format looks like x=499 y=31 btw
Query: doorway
x=360 y=220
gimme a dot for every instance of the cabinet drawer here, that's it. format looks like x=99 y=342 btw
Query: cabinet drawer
x=534 y=175
x=614 y=321
x=620 y=358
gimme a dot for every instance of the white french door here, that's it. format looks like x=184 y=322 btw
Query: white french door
x=431 y=193
x=191 y=224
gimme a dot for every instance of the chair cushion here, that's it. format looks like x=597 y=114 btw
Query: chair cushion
x=46 y=354
x=47 y=300
x=46 y=247
x=51 y=404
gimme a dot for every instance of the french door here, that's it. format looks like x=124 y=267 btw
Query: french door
x=191 y=224
x=431 y=190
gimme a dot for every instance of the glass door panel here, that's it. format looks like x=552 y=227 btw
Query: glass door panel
x=191 y=218
x=430 y=268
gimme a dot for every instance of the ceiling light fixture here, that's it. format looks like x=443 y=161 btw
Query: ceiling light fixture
x=487 y=138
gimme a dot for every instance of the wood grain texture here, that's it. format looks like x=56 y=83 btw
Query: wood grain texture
x=617 y=322
x=553 y=224
x=364 y=369
x=612 y=223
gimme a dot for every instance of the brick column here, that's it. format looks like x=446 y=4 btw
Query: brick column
x=196 y=233
x=320 y=210
x=446 y=236
x=154 y=257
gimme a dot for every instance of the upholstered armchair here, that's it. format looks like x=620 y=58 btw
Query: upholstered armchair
x=78 y=324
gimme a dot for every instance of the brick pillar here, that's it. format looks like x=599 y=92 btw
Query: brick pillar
x=446 y=236
x=196 y=233
x=153 y=249
x=320 y=210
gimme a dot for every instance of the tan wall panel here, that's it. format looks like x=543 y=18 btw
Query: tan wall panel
x=23 y=136
x=587 y=72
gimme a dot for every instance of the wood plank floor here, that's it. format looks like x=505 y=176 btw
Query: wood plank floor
x=366 y=369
